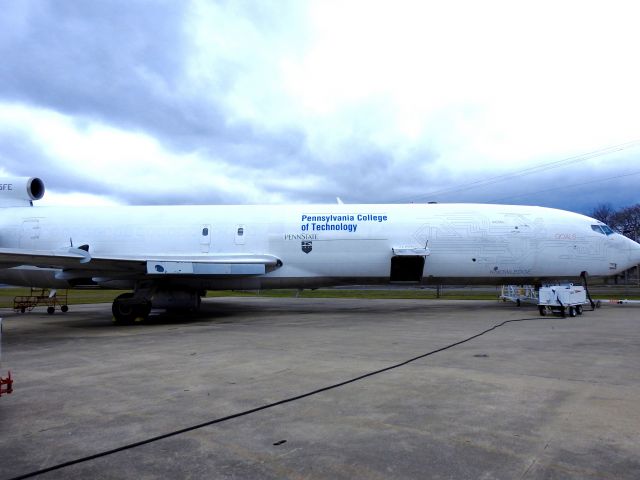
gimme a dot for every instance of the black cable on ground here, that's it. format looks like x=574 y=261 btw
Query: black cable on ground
x=263 y=407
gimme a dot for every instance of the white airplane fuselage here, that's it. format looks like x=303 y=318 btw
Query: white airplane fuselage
x=323 y=245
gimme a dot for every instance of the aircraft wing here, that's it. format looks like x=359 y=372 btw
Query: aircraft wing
x=80 y=261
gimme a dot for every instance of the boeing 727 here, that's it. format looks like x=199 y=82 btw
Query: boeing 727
x=169 y=256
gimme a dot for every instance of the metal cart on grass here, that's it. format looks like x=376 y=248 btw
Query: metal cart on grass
x=41 y=297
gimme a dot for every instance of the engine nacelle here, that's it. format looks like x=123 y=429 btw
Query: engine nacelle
x=20 y=191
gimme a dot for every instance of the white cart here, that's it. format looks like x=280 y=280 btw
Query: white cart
x=562 y=300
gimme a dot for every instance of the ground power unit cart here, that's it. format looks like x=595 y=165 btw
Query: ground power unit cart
x=562 y=300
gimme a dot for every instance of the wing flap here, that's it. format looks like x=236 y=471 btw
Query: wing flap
x=79 y=261
x=72 y=257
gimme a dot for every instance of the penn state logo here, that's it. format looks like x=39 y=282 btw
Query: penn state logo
x=307 y=246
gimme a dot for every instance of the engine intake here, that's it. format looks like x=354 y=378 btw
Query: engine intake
x=20 y=191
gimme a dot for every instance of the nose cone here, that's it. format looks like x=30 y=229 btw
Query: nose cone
x=634 y=252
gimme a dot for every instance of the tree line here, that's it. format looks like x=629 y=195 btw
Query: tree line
x=624 y=220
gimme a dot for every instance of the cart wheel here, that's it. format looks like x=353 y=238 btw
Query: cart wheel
x=518 y=302
x=64 y=308
x=51 y=310
x=572 y=312
x=579 y=310
x=542 y=310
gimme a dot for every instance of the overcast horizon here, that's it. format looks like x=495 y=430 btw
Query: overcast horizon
x=159 y=102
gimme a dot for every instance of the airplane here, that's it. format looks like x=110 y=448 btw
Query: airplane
x=169 y=256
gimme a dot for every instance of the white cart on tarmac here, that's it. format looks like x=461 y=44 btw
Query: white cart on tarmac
x=562 y=300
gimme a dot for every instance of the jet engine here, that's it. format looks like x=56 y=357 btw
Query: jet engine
x=20 y=191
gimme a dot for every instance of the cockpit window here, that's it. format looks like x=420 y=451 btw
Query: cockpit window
x=604 y=229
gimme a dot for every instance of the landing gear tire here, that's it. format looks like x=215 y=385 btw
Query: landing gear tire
x=579 y=310
x=144 y=309
x=51 y=310
x=196 y=307
x=126 y=309
x=64 y=308
x=572 y=312
x=542 y=310
x=123 y=309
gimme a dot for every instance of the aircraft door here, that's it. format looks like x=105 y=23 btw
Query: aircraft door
x=407 y=268
x=205 y=238
x=30 y=233
x=240 y=234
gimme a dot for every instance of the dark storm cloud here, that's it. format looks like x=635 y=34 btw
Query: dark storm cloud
x=122 y=63
x=91 y=58
x=126 y=65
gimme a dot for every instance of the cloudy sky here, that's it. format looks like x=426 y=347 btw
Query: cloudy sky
x=156 y=102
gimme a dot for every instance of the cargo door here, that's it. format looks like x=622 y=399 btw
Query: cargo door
x=407 y=269
x=407 y=264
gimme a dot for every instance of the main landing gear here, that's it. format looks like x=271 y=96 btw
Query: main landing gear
x=127 y=308
x=131 y=307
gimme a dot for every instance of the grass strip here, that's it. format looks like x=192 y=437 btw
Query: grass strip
x=90 y=296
